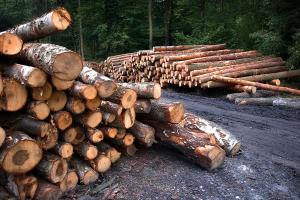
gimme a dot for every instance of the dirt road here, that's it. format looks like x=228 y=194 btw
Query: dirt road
x=267 y=168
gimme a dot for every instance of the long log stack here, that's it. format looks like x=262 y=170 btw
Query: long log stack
x=64 y=123
x=201 y=66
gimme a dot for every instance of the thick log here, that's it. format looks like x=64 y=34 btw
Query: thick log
x=259 y=93
x=63 y=149
x=26 y=75
x=144 y=90
x=14 y=95
x=198 y=147
x=108 y=118
x=94 y=135
x=144 y=134
x=75 y=105
x=101 y=163
x=38 y=109
x=83 y=91
x=109 y=132
x=62 y=120
x=125 y=120
x=47 y=191
x=85 y=173
x=165 y=112
x=42 y=93
x=109 y=151
x=69 y=182
x=55 y=21
x=10 y=44
x=61 y=84
x=57 y=101
x=142 y=106
x=90 y=118
x=224 y=138
x=255 y=84
x=86 y=150
x=19 y=153
x=93 y=104
x=55 y=60
x=52 y=167
x=32 y=127
x=110 y=107
x=2 y=136
x=124 y=97
x=73 y=135
x=104 y=85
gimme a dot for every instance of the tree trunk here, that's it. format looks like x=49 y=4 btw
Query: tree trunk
x=150 y=24
x=57 y=101
x=93 y=104
x=73 y=135
x=94 y=135
x=110 y=107
x=86 y=150
x=69 y=182
x=101 y=163
x=19 y=153
x=83 y=91
x=63 y=149
x=144 y=134
x=62 y=120
x=142 y=106
x=10 y=44
x=144 y=90
x=167 y=21
x=55 y=60
x=38 y=109
x=123 y=96
x=47 y=191
x=85 y=173
x=75 y=105
x=42 y=93
x=80 y=30
x=109 y=151
x=90 y=118
x=61 y=84
x=125 y=120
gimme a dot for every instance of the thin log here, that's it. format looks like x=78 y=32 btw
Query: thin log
x=90 y=118
x=86 y=150
x=61 y=84
x=62 y=120
x=49 y=141
x=73 y=135
x=125 y=120
x=69 y=182
x=93 y=104
x=57 y=101
x=63 y=149
x=101 y=163
x=259 y=93
x=42 y=93
x=109 y=151
x=144 y=134
x=108 y=118
x=38 y=109
x=32 y=127
x=110 y=107
x=85 y=173
x=75 y=105
x=94 y=135
x=144 y=90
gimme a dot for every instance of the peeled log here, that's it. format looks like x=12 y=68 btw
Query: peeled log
x=10 y=44
x=93 y=104
x=109 y=151
x=57 y=101
x=42 y=93
x=14 y=95
x=144 y=134
x=144 y=90
x=64 y=149
x=123 y=96
x=47 y=191
x=86 y=150
x=19 y=153
x=2 y=136
x=55 y=60
x=61 y=84
x=104 y=85
x=83 y=91
x=225 y=139
x=52 y=167
x=125 y=120
x=142 y=106
x=69 y=182
x=85 y=173
x=75 y=105
x=198 y=147
x=62 y=120
x=90 y=118
x=165 y=112
x=55 y=21
x=26 y=75
x=38 y=109
x=110 y=107
x=101 y=163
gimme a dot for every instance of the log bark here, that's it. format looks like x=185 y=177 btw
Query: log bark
x=57 y=101
x=32 y=127
x=248 y=89
x=2 y=136
x=110 y=107
x=55 y=21
x=19 y=153
x=86 y=150
x=47 y=191
x=42 y=93
x=101 y=163
x=26 y=75
x=94 y=135
x=124 y=97
x=108 y=118
x=62 y=120
x=109 y=151
x=69 y=182
x=52 y=167
x=93 y=104
x=75 y=105
x=61 y=84
x=14 y=95
x=144 y=90
x=90 y=118
x=142 y=106
x=104 y=85
x=83 y=91
x=225 y=139
x=196 y=146
x=63 y=149
x=109 y=132
x=55 y=60
x=5 y=195
x=73 y=135
x=144 y=134
x=259 y=93
x=287 y=102
x=85 y=173
x=125 y=120
x=38 y=109
x=49 y=141
x=10 y=44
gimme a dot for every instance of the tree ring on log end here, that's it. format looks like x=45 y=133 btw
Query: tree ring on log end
x=61 y=19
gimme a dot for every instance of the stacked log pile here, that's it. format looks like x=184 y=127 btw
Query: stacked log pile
x=63 y=123
x=202 y=66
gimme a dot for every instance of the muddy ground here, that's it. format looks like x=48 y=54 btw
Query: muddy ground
x=267 y=168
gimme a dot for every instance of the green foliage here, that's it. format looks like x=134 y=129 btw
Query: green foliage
x=294 y=52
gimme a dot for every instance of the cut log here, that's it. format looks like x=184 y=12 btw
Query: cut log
x=110 y=107
x=75 y=105
x=124 y=141
x=128 y=150
x=57 y=101
x=10 y=44
x=47 y=191
x=61 y=84
x=255 y=101
x=94 y=135
x=85 y=173
x=2 y=136
x=83 y=91
x=224 y=138
x=275 y=82
x=101 y=163
x=55 y=60
x=73 y=135
x=104 y=85
x=42 y=93
x=93 y=104
x=49 y=141
x=32 y=126
x=86 y=150
x=14 y=95
x=38 y=109
x=62 y=120
x=125 y=120
x=198 y=147
x=165 y=112
x=26 y=75
x=125 y=97
x=108 y=118
x=69 y=182
x=144 y=134
x=144 y=90
x=90 y=118
x=19 y=153
x=109 y=151
x=109 y=132
x=52 y=167
x=142 y=106
x=64 y=149
x=248 y=89
x=55 y=21
x=259 y=93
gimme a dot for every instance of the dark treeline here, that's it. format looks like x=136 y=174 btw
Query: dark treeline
x=107 y=27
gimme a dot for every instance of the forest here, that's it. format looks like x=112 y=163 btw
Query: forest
x=101 y=28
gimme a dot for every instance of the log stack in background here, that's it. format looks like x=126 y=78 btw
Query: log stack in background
x=64 y=123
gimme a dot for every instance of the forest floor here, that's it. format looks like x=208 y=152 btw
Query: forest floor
x=268 y=166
